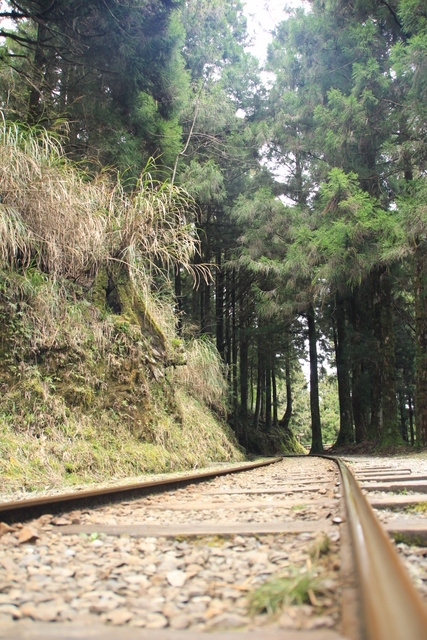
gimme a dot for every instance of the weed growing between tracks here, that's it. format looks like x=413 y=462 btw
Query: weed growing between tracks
x=420 y=507
x=298 y=585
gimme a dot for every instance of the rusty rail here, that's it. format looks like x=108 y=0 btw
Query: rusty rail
x=22 y=510
x=391 y=607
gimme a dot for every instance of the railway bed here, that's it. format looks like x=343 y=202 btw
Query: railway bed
x=187 y=561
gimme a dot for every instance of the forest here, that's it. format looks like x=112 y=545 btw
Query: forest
x=177 y=217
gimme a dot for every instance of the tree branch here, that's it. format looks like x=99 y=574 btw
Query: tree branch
x=12 y=15
x=181 y=153
x=393 y=13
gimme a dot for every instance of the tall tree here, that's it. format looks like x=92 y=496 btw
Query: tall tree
x=113 y=69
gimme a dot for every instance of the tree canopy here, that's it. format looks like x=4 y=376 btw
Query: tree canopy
x=308 y=197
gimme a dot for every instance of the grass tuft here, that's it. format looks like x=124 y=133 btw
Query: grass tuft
x=204 y=376
x=297 y=588
x=320 y=547
x=419 y=507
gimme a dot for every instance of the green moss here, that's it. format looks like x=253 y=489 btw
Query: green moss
x=274 y=442
x=79 y=400
x=420 y=507
x=124 y=299
x=99 y=289
x=408 y=539
x=79 y=396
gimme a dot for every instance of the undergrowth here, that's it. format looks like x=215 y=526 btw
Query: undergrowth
x=86 y=396
x=95 y=383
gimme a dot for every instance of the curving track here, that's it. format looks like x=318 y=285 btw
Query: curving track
x=181 y=558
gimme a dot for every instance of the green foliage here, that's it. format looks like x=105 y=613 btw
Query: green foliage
x=329 y=408
x=152 y=124
x=205 y=182
x=94 y=65
x=215 y=34
x=353 y=232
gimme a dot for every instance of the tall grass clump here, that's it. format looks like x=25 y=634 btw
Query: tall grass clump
x=86 y=349
x=204 y=376
x=51 y=216
x=56 y=216
x=151 y=227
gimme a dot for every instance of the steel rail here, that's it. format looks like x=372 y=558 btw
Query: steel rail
x=391 y=607
x=22 y=510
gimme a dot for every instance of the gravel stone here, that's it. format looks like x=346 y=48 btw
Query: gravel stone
x=197 y=583
x=156 y=621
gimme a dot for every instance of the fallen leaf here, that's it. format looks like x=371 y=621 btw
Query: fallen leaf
x=27 y=534
x=4 y=528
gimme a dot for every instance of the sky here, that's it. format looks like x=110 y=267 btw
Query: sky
x=263 y=16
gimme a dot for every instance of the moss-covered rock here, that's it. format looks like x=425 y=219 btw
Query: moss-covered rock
x=276 y=441
x=84 y=391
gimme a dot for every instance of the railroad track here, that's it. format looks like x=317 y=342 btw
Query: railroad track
x=185 y=557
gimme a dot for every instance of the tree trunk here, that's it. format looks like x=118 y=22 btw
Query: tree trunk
x=260 y=374
x=420 y=281
x=284 y=422
x=39 y=66
x=403 y=427
x=274 y=387
x=411 y=420
x=262 y=390
x=345 y=435
x=206 y=321
x=234 y=355
x=376 y=423
x=252 y=387
x=227 y=348
x=268 y=394
x=244 y=374
x=390 y=433
x=244 y=383
x=359 y=404
x=219 y=306
x=316 y=428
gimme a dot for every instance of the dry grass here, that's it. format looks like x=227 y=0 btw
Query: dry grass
x=56 y=216
x=50 y=215
x=152 y=228
x=78 y=400
x=204 y=376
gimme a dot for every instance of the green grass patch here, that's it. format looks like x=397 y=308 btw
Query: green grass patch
x=419 y=507
x=298 y=587
x=298 y=507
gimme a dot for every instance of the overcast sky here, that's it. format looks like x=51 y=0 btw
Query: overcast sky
x=263 y=16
